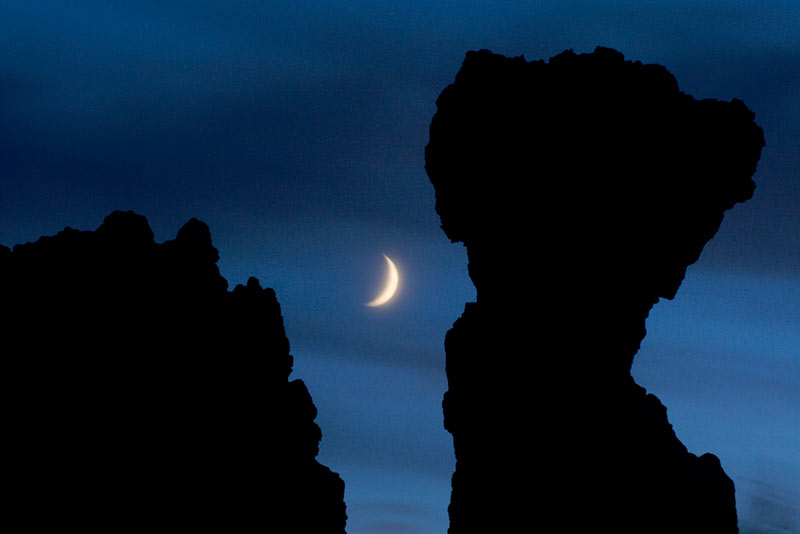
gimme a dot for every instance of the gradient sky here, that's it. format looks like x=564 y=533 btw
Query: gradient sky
x=296 y=131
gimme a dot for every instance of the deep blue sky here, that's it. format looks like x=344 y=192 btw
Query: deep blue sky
x=296 y=131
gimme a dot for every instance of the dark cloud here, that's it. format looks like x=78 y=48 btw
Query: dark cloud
x=302 y=109
x=378 y=517
x=769 y=508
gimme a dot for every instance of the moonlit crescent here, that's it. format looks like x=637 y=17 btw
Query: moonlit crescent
x=392 y=281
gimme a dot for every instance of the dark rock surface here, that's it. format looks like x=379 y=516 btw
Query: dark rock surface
x=141 y=395
x=582 y=188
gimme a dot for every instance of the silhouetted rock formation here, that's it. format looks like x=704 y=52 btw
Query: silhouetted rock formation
x=582 y=189
x=142 y=395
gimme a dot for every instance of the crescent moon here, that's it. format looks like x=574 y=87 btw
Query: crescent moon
x=392 y=281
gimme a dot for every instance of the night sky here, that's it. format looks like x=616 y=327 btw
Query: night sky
x=296 y=131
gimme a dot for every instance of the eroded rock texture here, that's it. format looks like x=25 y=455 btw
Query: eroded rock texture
x=582 y=189
x=141 y=395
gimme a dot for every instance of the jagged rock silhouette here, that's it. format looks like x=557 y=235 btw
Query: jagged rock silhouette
x=582 y=189
x=142 y=395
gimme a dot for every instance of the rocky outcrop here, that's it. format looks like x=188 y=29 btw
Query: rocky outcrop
x=582 y=188
x=142 y=395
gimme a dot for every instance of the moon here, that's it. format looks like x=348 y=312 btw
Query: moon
x=392 y=281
